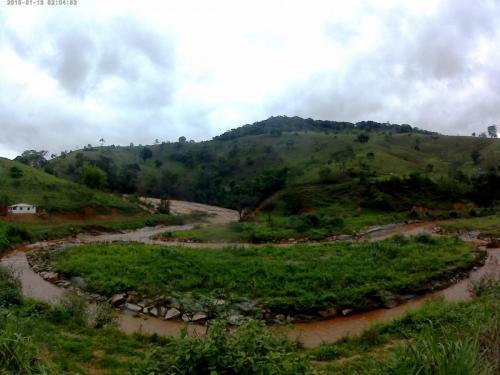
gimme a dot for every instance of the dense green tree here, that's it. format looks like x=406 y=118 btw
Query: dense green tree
x=475 y=156
x=146 y=153
x=4 y=204
x=15 y=172
x=93 y=176
x=33 y=158
x=363 y=138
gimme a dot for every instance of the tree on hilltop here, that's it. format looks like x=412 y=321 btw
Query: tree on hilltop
x=492 y=131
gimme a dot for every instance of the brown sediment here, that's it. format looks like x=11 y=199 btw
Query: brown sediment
x=311 y=334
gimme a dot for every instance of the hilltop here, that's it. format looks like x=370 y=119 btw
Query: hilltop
x=343 y=162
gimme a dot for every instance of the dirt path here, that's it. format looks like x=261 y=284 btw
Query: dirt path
x=311 y=334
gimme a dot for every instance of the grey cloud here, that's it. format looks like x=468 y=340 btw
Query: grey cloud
x=416 y=75
x=73 y=62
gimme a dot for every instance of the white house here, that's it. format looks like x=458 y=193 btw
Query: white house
x=22 y=208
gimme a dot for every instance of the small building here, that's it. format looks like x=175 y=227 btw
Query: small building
x=22 y=208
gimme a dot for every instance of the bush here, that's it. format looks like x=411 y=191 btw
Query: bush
x=328 y=352
x=9 y=289
x=103 y=315
x=70 y=308
x=249 y=349
x=424 y=238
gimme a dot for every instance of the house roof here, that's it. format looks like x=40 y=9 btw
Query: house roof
x=22 y=205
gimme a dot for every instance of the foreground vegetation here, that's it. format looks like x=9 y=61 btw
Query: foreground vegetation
x=69 y=338
x=294 y=279
x=489 y=226
x=440 y=338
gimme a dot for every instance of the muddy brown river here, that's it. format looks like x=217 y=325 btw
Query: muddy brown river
x=311 y=334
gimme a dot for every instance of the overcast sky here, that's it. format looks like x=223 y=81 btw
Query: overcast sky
x=134 y=71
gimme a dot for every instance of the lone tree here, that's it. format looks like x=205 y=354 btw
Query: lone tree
x=102 y=141
x=492 y=131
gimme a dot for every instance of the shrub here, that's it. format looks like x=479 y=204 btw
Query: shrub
x=424 y=238
x=70 y=308
x=249 y=349
x=9 y=289
x=103 y=315
x=328 y=352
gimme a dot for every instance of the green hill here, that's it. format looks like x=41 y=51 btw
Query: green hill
x=338 y=162
x=22 y=183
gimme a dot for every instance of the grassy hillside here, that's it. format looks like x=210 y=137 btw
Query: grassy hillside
x=338 y=161
x=21 y=183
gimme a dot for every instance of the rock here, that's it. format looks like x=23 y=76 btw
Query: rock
x=328 y=313
x=346 y=312
x=153 y=311
x=198 y=317
x=390 y=303
x=302 y=318
x=186 y=318
x=406 y=297
x=235 y=319
x=281 y=317
x=79 y=282
x=162 y=310
x=51 y=276
x=133 y=297
x=266 y=314
x=118 y=299
x=246 y=306
x=172 y=313
x=133 y=307
x=218 y=302
x=344 y=237
x=63 y=283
